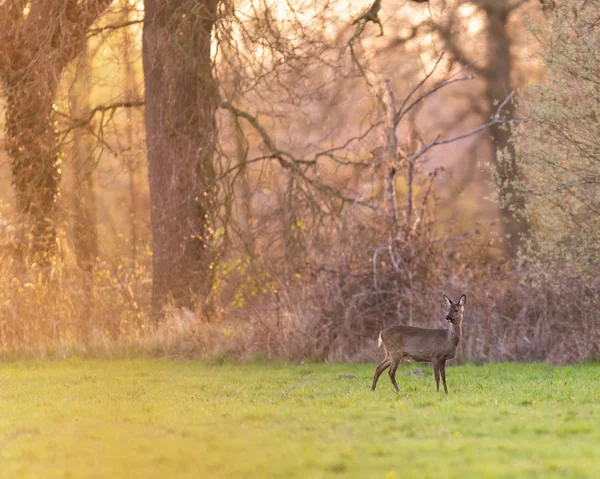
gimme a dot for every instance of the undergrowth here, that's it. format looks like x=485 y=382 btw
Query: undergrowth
x=331 y=307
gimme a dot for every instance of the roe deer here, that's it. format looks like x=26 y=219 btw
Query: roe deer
x=423 y=345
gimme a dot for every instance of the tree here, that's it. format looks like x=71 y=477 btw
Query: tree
x=497 y=74
x=181 y=100
x=130 y=158
x=84 y=230
x=559 y=146
x=496 y=71
x=37 y=42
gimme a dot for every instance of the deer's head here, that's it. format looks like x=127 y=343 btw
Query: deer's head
x=455 y=310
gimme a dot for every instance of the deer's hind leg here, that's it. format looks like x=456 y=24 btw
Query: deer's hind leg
x=387 y=361
x=392 y=372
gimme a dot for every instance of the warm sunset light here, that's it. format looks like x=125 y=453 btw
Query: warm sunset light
x=299 y=239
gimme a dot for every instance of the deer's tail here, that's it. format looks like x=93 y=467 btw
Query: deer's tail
x=379 y=341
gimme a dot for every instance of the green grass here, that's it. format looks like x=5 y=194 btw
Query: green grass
x=164 y=419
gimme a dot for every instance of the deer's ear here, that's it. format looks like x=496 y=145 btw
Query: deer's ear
x=462 y=300
x=447 y=300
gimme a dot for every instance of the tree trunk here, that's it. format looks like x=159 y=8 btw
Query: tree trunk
x=35 y=160
x=180 y=134
x=85 y=233
x=36 y=44
x=512 y=205
x=245 y=191
x=130 y=157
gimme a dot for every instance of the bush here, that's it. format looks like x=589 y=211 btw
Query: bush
x=559 y=150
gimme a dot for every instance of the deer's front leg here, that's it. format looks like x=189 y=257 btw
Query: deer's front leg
x=443 y=371
x=436 y=370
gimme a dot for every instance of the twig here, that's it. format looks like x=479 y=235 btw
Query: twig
x=446 y=82
x=257 y=126
x=375 y=253
x=111 y=108
x=113 y=26
x=393 y=258
x=427 y=76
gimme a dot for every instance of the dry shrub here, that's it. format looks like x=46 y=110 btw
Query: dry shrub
x=512 y=317
x=507 y=318
x=47 y=313
x=332 y=309
x=342 y=302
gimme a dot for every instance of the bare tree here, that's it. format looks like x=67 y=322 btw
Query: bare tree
x=495 y=67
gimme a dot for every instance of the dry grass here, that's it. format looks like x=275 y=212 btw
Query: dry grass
x=332 y=310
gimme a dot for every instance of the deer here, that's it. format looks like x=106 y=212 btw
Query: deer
x=423 y=345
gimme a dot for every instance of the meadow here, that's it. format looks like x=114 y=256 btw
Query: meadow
x=163 y=418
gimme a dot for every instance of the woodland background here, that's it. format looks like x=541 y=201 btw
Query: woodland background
x=285 y=178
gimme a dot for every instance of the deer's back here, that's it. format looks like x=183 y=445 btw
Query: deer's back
x=418 y=344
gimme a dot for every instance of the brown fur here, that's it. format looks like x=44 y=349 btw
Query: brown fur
x=424 y=345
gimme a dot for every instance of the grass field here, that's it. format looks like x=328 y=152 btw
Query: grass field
x=163 y=419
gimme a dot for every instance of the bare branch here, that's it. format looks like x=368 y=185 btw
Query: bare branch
x=286 y=159
x=113 y=26
x=111 y=108
x=400 y=114
x=371 y=15
x=329 y=152
x=496 y=120
x=11 y=14
x=427 y=76
x=257 y=126
x=448 y=81
x=392 y=151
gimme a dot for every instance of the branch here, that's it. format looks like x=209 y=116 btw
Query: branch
x=392 y=152
x=79 y=122
x=112 y=108
x=286 y=159
x=431 y=92
x=496 y=120
x=418 y=86
x=114 y=26
x=448 y=81
x=11 y=15
x=330 y=152
x=90 y=10
x=371 y=15
x=357 y=33
x=257 y=126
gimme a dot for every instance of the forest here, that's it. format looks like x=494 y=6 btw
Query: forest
x=282 y=179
